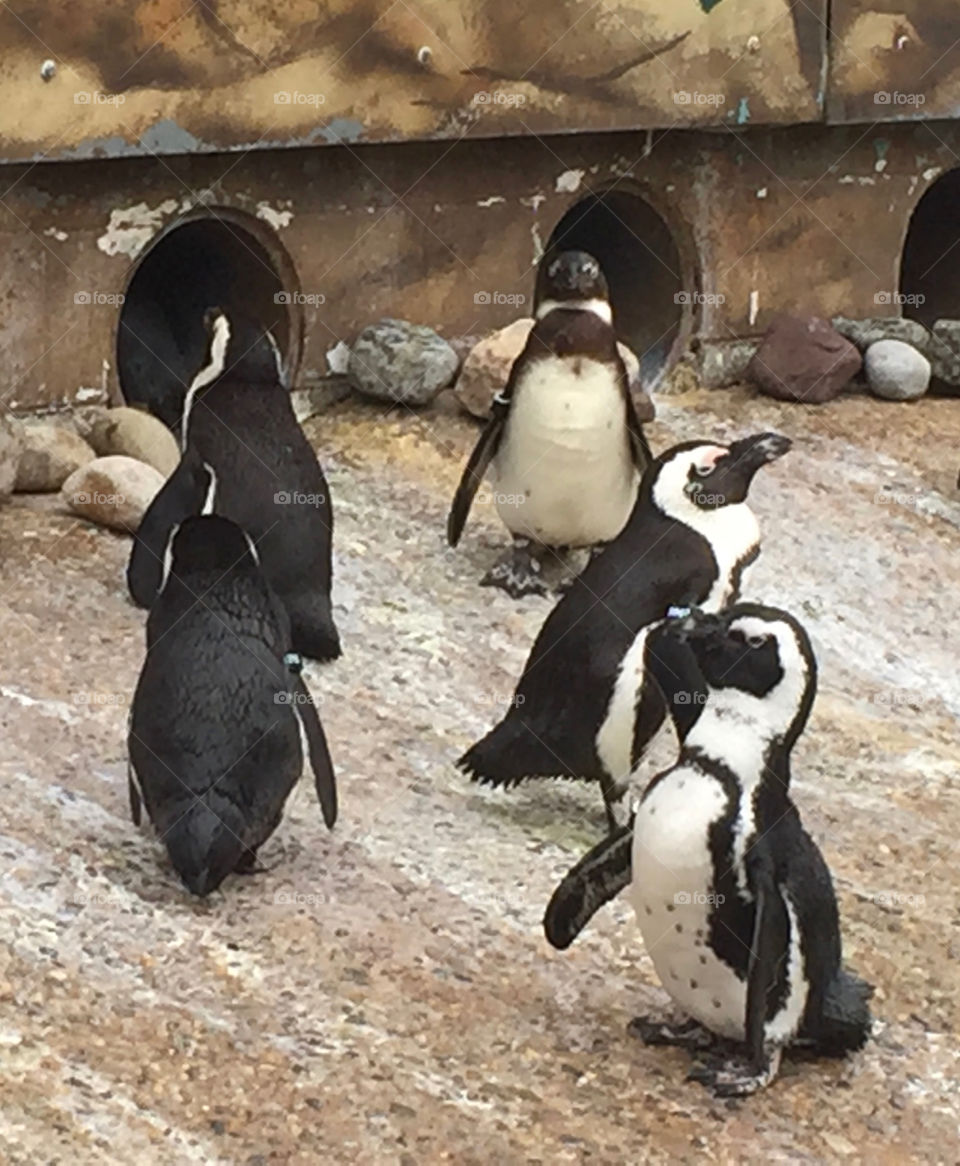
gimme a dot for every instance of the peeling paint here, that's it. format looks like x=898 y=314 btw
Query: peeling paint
x=131 y=228
x=538 y=247
x=338 y=358
x=754 y=306
x=87 y=393
x=494 y=198
x=53 y=233
x=933 y=172
x=743 y=111
x=569 y=182
x=762 y=192
x=534 y=202
x=166 y=137
x=274 y=218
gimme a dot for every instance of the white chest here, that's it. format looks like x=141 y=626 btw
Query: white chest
x=564 y=473
x=673 y=895
x=732 y=532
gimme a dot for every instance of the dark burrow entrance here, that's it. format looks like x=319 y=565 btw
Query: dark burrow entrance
x=931 y=254
x=641 y=261
x=161 y=341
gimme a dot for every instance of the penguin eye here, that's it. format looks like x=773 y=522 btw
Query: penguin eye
x=703 y=471
x=756 y=641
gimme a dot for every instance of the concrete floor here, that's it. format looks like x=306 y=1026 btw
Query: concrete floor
x=384 y=993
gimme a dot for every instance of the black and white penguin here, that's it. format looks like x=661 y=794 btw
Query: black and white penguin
x=733 y=898
x=582 y=708
x=220 y=711
x=563 y=443
x=238 y=423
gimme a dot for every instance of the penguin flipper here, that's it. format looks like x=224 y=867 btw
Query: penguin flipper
x=320 y=761
x=771 y=942
x=133 y=789
x=598 y=877
x=483 y=453
x=639 y=448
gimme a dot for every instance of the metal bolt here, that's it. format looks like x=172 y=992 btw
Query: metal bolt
x=48 y=69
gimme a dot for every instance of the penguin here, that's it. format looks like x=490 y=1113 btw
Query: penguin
x=220 y=709
x=238 y=421
x=582 y=708
x=733 y=898
x=564 y=444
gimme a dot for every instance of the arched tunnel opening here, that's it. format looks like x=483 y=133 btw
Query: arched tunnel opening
x=641 y=260
x=928 y=270
x=204 y=263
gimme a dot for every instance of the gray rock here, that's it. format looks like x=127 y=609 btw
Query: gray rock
x=112 y=491
x=134 y=433
x=393 y=360
x=724 y=362
x=319 y=397
x=944 y=352
x=863 y=333
x=896 y=371
x=11 y=444
x=49 y=455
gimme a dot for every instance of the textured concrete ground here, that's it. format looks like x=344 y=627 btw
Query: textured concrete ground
x=384 y=993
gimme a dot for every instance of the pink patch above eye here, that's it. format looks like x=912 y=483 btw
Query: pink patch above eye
x=708 y=458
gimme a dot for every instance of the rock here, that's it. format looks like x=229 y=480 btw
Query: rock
x=724 y=362
x=393 y=360
x=49 y=455
x=803 y=358
x=944 y=353
x=896 y=371
x=113 y=491
x=863 y=333
x=11 y=444
x=487 y=367
x=133 y=433
x=319 y=397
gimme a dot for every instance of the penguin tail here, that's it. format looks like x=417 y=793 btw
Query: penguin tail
x=845 y=1020
x=313 y=631
x=512 y=753
x=205 y=845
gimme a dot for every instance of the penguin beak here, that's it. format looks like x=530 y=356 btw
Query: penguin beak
x=750 y=453
x=699 y=626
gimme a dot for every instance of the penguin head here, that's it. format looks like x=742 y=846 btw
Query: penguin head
x=755 y=657
x=207 y=543
x=710 y=476
x=239 y=347
x=572 y=279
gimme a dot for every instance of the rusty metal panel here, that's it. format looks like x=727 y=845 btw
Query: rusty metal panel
x=894 y=60
x=175 y=76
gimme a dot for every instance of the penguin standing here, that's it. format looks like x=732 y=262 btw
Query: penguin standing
x=582 y=708
x=220 y=709
x=239 y=422
x=733 y=898
x=563 y=442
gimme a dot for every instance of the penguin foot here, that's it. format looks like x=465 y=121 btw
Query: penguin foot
x=248 y=864
x=686 y=1035
x=518 y=573
x=736 y=1077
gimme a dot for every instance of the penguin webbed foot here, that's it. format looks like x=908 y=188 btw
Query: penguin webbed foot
x=686 y=1034
x=518 y=572
x=737 y=1076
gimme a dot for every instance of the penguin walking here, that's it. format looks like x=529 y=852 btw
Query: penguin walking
x=733 y=898
x=582 y=708
x=238 y=421
x=220 y=711
x=564 y=443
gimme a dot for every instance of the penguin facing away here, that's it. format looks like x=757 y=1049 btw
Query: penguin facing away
x=220 y=712
x=733 y=898
x=238 y=421
x=564 y=445
x=582 y=708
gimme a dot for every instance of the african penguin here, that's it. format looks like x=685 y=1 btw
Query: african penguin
x=563 y=443
x=238 y=421
x=220 y=711
x=733 y=898
x=582 y=708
